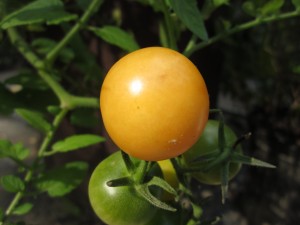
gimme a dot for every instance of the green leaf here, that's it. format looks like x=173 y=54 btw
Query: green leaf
x=12 y=183
x=197 y=211
x=116 y=36
x=45 y=45
x=16 y=151
x=271 y=6
x=296 y=3
x=76 y=141
x=35 y=119
x=53 y=109
x=40 y=11
x=239 y=158
x=27 y=79
x=84 y=117
x=144 y=191
x=22 y=209
x=190 y=15
x=20 y=152
x=5 y=148
x=249 y=8
x=62 y=180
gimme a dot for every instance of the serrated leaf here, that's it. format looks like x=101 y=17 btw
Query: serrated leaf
x=84 y=118
x=144 y=191
x=118 y=37
x=22 y=209
x=190 y=15
x=296 y=3
x=271 y=6
x=62 y=180
x=238 y=158
x=35 y=119
x=12 y=183
x=159 y=182
x=40 y=11
x=76 y=141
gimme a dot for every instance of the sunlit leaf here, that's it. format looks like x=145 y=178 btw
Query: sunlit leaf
x=62 y=180
x=271 y=6
x=22 y=209
x=77 y=141
x=40 y=11
x=35 y=119
x=12 y=183
x=116 y=36
x=190 y=15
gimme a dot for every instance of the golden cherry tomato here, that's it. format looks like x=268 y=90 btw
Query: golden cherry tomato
x=154 y=103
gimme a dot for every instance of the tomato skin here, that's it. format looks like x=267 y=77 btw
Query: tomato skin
x=208 y=142
x=154 y=103
x=117 y=205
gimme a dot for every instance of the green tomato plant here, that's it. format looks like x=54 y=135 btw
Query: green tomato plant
x=52 y=40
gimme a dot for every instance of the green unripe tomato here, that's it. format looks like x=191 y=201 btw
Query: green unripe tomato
x=121 y=205
x=208 y=142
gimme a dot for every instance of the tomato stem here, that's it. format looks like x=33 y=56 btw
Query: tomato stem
x=141 y=171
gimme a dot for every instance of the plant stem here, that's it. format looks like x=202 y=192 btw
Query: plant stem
x=169 y=27
x=258 y=21
x=141 y=172
x=51 y=56
x=66 y=99
x=78 y=101
x=28 y=176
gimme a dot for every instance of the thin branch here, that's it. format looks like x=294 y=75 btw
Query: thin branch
x=245 y=26
x=51 y=56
